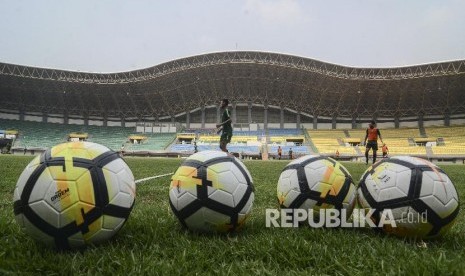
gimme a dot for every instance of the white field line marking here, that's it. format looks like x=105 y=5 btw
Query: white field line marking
x=152 y=177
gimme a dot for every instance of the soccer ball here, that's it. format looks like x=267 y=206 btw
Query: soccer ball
x=421 y=197
x=314 y=183
x=211 y=192
x=74 y=194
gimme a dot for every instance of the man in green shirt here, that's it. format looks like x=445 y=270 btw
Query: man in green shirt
x=225 y=125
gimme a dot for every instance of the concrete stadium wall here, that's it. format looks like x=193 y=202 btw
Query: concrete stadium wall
x=325 y=126
x=408 y=124
x=289 y=125
x=32 y=118
x=344 y=126
x=9 y=116
x=386 y=125
x=290 y=120
x=195 y=125
x=76 y=121
x=95 y=123
x=457 y=121
x=55 y=120
x=112 y=123
x=433 y=123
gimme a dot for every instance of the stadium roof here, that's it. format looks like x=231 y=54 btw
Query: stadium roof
x=269 y=79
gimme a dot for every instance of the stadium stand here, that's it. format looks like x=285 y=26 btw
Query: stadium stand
x=182 y=148
x=288 y=139
x=245 y=143
x=36 y=135
x=359 y=133
x=267 y=91
x=440 y=142
x=452 y=131
x=152 y=142
x=401 y=148
x=387 y=133
x=297 y=151
x=112 y=137
x=399 y=141
x=448 y=141
x=284 y=132
x=400 y=133
x=328 y=142
x=348 y=142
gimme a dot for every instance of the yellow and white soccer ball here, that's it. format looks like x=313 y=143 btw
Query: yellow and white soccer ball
x=315 y=182
x=212 y=192
x=74 y=194
x=420 y=195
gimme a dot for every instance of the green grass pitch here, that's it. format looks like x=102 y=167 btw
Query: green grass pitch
x=152 y=241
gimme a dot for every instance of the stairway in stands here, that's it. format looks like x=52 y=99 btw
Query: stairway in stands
x=358 y=150
x=441 y=142
x=309 y=143
x=264 y=149
x=411 y=142
x=422 y=131
x=429 y=152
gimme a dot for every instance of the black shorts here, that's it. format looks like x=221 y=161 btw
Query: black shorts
x=372 y=145
x=226 y=137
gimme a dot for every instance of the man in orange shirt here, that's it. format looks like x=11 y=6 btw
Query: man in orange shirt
x=372 y=137
x=385 y=150
x=280 y=152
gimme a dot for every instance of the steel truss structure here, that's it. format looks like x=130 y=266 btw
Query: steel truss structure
x=307 y=87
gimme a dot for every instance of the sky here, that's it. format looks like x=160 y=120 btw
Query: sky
x=116 y=36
